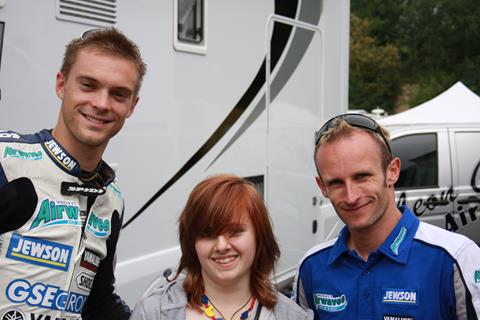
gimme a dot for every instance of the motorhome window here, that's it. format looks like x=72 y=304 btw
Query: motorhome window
x=190 y=21
x=258 y=182
x=419 y=157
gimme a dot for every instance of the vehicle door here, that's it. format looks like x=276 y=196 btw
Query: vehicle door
x=425 y=183
x=466 y=180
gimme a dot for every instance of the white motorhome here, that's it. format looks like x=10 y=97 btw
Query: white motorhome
x=205 y=107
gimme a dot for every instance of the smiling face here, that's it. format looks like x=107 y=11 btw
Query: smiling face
x=227 y=259
x=97 y=97
x=353 y=179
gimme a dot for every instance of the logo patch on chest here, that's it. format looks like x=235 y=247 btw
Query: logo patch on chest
x=97 y=226
x=392 y=317
x=477 y=276
x=39 y=252
x=399 y=296
x=16 y=153
x=57 y=212
x=329 y=303
x=90 y=260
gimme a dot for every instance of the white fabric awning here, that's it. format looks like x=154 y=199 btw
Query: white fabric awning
x=458 y=104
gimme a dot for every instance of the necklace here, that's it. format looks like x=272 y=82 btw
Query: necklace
x=209 y=309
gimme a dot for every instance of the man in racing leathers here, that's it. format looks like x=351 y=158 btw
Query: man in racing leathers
x=60 y=211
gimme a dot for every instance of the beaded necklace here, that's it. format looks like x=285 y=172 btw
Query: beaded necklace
x=209 y=309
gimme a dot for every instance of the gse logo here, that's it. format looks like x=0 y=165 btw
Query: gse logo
x=45 y=296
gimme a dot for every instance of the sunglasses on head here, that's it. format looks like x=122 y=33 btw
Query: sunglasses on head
x=88 y=33
x=355 y=120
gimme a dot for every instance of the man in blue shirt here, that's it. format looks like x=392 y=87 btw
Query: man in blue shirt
x=385 y=264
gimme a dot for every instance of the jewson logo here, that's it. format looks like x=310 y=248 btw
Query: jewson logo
x=52 y=213
x=399 y=296
x=39 y=252
x=15 y=153
x=66 y=161
x=98 y=227
x=44 y=296
x=328 y=302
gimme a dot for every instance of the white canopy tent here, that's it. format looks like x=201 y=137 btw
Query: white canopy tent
x=458 y=104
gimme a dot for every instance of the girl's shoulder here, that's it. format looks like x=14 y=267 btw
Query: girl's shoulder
x=288 y=309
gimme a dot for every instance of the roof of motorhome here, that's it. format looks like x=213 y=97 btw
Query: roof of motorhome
x=457 y=105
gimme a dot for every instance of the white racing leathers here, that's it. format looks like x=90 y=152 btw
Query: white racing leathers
x=57 y=233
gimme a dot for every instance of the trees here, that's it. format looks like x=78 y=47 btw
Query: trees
x=436 y=42
x=374 y=69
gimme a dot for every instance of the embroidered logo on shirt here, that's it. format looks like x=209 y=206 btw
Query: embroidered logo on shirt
x=477 y=276
x=15 y=153
x=329 y=303
x=392 y=317
x=62 y=158
x=90 y=260
x=398 y=240
x=57 y=212
x=98 y=227
x=39 y=252
x=399 y=296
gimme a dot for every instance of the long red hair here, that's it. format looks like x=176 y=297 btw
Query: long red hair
x=218 y=205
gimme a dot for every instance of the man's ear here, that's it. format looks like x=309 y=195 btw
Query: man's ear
x=393 y=172
x=133 y=106
x=60 y=85
x=321 y=185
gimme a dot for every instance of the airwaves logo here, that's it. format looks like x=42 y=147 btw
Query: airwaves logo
x=15 y=153
x=53 y=213
x=329 y=303
x=98 y=227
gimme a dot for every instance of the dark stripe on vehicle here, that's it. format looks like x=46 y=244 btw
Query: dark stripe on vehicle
x=310 y=13
x=280 y=36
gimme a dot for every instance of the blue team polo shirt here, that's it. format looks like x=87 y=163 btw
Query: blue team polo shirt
x=406 y=278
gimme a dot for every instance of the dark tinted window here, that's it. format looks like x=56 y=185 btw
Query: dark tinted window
x=418 y=154
x=190 y=20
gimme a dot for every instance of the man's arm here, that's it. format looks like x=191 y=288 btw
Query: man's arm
x=467 y=282
x=18 y=200
x=302 y=288
x=103 y=303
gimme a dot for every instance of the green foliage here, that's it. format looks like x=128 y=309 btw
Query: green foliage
x=436 y=42
x=374 y=72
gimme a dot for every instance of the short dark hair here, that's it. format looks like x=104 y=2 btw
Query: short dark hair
x=109 y=41
x=216 y=206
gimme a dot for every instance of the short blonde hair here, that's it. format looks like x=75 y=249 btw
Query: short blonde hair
x=341 y=128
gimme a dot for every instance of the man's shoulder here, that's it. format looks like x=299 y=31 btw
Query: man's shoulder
x=453 y=243
x=8 y=136
x=320 y=251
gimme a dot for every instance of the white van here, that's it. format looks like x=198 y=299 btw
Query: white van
x=438 y=144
